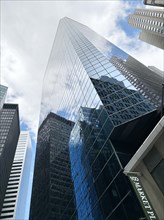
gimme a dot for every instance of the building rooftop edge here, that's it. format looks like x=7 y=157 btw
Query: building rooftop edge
x=58 y=117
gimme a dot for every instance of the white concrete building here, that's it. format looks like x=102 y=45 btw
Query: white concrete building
x=151 y=22
x=18 y=194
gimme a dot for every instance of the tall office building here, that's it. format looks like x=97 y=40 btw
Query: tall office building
x=17 y=197
x=9 y=133
x=103 y=90
x=151 y=22
x=52 y=185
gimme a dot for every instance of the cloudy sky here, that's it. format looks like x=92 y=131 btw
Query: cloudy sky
x=27 y=33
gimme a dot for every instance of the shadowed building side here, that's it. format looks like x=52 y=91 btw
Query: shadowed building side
x=52 y=185
x=18 y=191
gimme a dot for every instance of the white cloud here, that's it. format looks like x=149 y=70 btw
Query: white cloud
x=148 y=55
x=22 y=89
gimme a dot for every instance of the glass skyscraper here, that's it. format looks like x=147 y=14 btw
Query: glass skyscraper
x=98 y=86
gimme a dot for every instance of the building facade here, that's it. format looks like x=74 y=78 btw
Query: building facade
x=101 y=88
x=151 y=22
x=9 y=134
x=17 y=196
x=52 y=186
x=145 y=172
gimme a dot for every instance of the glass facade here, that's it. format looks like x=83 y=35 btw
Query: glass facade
x=52 y=194
x=98 y=86
x=9 y=133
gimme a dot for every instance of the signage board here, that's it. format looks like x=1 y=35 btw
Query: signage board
x=143 y=198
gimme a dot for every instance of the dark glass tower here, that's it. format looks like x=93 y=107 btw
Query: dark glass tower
x=52 y=185
x=103 y=90
x=9 y=133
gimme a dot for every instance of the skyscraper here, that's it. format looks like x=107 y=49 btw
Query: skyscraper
x=52 y=186
x=151 y=22
x=9 y=134
x=17 y=196
x=103 y=90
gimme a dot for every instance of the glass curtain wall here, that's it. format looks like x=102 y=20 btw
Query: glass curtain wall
x=84 y=83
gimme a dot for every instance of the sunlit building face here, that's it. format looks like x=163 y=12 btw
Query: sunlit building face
x=151 y=22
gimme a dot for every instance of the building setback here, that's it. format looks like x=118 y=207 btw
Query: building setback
x=52 y=186
x=159 y=3
x=9 y=134
x=17 y=196
x=151 y=22
x=102 y=89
